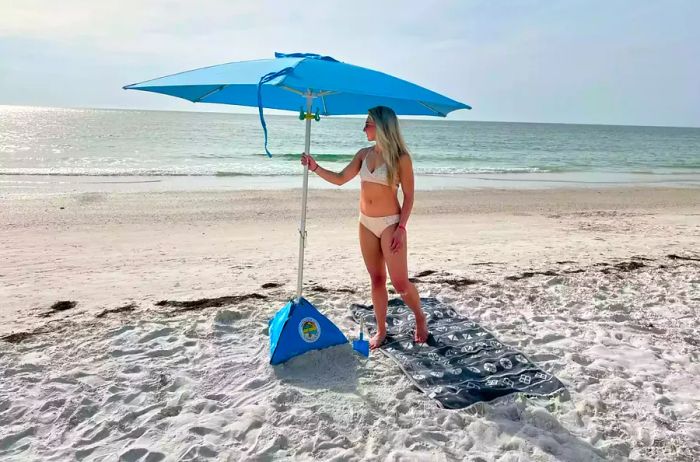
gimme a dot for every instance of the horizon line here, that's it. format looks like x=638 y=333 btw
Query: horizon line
x=289 y=114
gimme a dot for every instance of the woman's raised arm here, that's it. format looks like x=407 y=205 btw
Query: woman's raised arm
x=337 y=178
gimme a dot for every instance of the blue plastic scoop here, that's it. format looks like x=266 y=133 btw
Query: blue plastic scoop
x=360 y=345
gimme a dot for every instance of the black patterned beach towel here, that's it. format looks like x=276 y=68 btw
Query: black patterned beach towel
x=462 y=363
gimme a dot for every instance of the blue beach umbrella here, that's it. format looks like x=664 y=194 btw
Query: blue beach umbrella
x=315 y=86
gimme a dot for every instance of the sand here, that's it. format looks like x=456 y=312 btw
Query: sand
x=600 y=287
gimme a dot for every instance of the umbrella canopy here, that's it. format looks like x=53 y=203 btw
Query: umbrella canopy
x=283 y=83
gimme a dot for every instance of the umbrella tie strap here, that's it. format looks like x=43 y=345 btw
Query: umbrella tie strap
x=264 y=79
x=306 y=56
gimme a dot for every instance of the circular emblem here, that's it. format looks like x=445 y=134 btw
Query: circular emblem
x=309 y=330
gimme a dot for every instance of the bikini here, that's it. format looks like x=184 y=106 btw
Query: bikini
x=376 y=224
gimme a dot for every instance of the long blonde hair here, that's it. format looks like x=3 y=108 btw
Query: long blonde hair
x=389 y=139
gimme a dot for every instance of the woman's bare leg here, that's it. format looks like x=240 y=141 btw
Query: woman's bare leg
x=397 y=263
x=374 y=261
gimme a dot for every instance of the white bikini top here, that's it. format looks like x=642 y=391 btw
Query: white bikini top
x=377 y=176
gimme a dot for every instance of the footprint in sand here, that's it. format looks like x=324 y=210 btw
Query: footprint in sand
x=206 y=406
x=548 y=338
x=133 y=369
x=141 y=454
x=199 y=453
x=86 y=410
x=101 y=434
x=118 y=353
x=168 y=411
x=22 y=369
x=134 y=434
x=240 y=429
x=155 y=334
x=54 y=403
x=165 y=352
x=541 y=357
x=202 y=431
x=10 y=440
x=578 y=359
x=81 y=454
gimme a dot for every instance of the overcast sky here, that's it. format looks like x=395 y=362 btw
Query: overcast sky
x=633 y=62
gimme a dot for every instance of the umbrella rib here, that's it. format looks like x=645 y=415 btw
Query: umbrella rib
x=209 y=93
x=323 y=101
x=303 y=93
x=293 y=90
x=432 y=109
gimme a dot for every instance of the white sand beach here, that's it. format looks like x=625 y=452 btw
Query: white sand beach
x=600 y=287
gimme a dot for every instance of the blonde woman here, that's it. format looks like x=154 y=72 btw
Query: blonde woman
x=382 y=168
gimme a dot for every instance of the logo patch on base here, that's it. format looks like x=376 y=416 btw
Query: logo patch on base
x=309 y=330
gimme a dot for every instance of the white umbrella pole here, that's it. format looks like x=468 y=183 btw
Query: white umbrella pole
x=302 y=228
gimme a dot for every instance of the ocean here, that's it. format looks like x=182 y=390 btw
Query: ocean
x=204 y=150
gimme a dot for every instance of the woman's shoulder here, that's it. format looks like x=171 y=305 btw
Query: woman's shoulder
x=364 y=151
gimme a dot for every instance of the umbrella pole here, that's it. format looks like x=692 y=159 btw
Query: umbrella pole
x=302 y=228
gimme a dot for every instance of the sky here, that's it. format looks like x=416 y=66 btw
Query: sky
x=633 y=62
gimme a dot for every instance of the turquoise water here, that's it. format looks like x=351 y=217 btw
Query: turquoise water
x=128 y=143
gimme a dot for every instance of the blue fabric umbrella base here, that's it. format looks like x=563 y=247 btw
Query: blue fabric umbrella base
x=299 y=327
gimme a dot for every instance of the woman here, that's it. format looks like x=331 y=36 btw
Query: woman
x=382 y=168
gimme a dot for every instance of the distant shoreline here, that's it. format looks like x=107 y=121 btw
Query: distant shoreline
x=239 y=110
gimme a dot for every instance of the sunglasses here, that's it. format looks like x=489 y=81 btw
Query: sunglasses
x=367 y=125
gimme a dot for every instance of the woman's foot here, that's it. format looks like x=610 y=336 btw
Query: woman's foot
x=421 y=329
x=377 y=340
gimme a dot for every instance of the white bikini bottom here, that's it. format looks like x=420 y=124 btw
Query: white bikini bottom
x=378 y=224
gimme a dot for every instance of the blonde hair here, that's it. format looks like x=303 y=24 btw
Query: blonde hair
x=389 y=139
